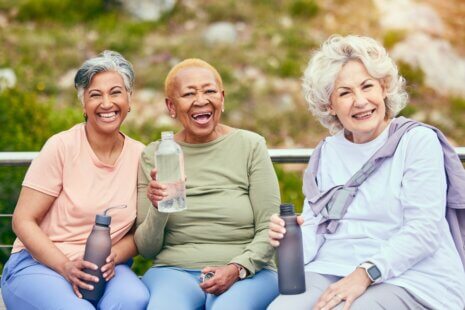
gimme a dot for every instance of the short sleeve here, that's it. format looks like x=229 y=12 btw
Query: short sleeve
x=45 y=173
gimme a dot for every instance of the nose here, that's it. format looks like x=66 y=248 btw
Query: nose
x=360 y=100
x=200 y=99
x=106 y=102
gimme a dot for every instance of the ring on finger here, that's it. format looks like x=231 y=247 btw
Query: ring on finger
x=338 y=297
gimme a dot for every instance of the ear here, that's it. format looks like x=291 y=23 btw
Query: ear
x=331 y=110
x=170 y=106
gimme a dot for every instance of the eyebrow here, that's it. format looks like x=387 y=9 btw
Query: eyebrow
x=95 y=89
x=363 y=83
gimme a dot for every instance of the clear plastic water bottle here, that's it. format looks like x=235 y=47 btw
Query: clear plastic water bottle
x=98 y=248
x=169 y=161
x=291 y=275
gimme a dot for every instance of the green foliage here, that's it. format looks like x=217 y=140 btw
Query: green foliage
x=63 y=11
x=411 y=74
x=304 y=8
x=392 y=37
x=408 y=111
x=290 y=185
x=458 y=104
x=141 y=265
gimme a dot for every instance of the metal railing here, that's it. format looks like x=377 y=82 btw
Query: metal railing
x=282 y=156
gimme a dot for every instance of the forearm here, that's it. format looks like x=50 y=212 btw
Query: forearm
x=149 y=234
x=125 y=249
x=40 y=246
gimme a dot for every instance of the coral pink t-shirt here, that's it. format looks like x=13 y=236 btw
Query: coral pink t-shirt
x=68 y=169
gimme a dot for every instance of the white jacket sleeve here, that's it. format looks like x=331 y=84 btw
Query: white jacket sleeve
x=423 y=200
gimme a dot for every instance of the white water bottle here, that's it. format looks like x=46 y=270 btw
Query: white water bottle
x=169 y=161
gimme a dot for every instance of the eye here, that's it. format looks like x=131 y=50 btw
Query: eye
x=211 y=91
x=188 y=94
x=94 y=95
x=116 y=92
x=343 y=94
x=367 y=86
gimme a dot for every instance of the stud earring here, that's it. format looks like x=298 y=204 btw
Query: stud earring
x=129 y=110
x=222 y=109
x=173 y=115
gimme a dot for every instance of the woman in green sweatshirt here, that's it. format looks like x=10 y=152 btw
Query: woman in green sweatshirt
x=232 y=191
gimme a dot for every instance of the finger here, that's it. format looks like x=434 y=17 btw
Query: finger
x=277 y=228
x=76 y=291
x=88 y=265
x=277 y=220
x=81 y=275
x=107 y=267
x=300 y=220
x=274 y=243
x=275 y=234
x=111 y=257
x=108 y=275
x=209 y=269
x=153 y=173
x=348 y=303
x=82 y=284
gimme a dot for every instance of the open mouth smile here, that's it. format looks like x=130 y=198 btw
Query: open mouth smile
x=363 y=115
x=108 y=116
x=202 y=117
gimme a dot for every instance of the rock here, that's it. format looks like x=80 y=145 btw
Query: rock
x=67 y=80
x=409 y=15
x=444 y=69
x=220 y=33
x=148 y=10
x=7 y=78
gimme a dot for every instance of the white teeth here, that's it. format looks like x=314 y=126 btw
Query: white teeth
x=368 y=113
x=107 y=115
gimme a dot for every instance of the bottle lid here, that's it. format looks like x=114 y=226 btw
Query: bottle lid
x=166 y=135
x=104 y=220
x=286 y=209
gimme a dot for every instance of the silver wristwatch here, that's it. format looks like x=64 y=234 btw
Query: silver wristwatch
x=372 y=271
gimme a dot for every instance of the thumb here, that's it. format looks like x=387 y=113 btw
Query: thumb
x=209 y=269
x=153 y=173
x=300 y=220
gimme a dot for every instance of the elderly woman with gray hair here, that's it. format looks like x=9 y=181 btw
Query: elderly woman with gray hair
x=383 y=200
x=78 y=174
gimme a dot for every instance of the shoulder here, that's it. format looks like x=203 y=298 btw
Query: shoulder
x=420 y=135
x=134 y=145
x=148 y=152
x=248 y=136
x=67 y=139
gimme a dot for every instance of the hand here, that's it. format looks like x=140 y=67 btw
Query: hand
x=276 y=229
x=108 y=270
x=73 y=274
x=347 y=289
x=225 y=277
x=156 y=191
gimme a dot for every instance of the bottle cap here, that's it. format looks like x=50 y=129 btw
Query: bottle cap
x=286 y=209
x=104 y=219
x=165 y=135
x=101 y=219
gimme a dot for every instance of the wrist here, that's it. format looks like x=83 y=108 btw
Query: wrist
x=371 y=272
x=241 y=271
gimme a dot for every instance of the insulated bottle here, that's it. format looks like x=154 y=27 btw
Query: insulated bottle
x=98 y=248
x=291 y=275
x=169 y=161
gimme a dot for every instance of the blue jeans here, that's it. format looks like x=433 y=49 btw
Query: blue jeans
x=177 y=288
x=27 y=284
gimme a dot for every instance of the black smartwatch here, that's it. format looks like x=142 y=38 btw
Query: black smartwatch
x=372 y=271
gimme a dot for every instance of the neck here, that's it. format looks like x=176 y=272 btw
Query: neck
x=106 y=147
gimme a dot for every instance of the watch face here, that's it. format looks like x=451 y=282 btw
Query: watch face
x=374 y=273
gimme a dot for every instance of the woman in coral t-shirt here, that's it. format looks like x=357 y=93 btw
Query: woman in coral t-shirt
x=79 y=173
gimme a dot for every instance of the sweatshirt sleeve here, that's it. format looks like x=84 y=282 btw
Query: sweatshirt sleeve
x=423 y=199
x=265 y=198
x=150 y=223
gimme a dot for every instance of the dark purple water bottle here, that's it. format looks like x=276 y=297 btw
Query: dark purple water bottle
x=291 y=275
x=98 y=248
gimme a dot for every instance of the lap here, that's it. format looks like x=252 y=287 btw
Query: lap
x=176 y=288
x=380 y=296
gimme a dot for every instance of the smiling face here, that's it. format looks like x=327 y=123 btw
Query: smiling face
x=197 y=101
x=358 y=102
x=106 y=102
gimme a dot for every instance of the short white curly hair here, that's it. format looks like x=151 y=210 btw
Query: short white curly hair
x=326 y=63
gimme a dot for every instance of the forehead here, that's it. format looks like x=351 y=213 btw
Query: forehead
x=195 y=76
x=111 y=78
x=352 y=72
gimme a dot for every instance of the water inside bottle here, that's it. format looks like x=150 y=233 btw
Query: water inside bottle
x=172 y=176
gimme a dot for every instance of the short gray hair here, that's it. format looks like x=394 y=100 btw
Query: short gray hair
x=326 y=63
x=105 y=61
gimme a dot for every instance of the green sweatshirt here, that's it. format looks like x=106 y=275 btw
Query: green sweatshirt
x=232 y=190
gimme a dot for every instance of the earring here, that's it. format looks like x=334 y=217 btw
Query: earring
x=129 y=110
x=85 y=116
x=173 y=115
x=222 y=109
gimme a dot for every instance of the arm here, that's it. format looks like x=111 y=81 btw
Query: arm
x=31 y=208
x=150 y=224
x=264 y=197
x=423 y=199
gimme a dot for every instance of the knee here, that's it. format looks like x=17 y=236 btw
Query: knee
x=135 y=298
